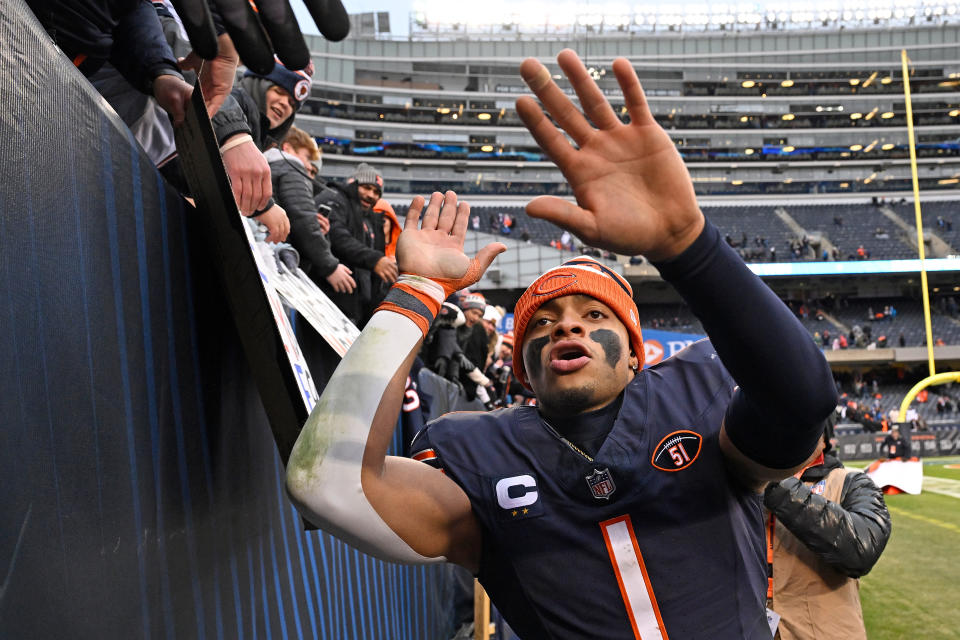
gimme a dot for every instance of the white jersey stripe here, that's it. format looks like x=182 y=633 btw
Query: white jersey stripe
x=632 y=576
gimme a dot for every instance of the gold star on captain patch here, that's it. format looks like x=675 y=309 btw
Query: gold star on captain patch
x=514 y=512
x=525 y=511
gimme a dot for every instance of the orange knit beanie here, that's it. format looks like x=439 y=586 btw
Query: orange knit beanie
x=582 y=275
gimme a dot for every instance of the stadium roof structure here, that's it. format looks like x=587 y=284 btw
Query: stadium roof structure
x=502 y=19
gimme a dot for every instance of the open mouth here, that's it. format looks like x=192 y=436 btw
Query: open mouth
x=568 y=356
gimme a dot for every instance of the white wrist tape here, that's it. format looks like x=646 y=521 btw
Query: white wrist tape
x=236 y=141
x=323 y=473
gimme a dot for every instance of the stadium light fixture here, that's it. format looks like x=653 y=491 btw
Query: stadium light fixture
x=856 y=147
x=886 y=80
x=872 y=113
x=854 y=82
x=787 y=116
x=443 y=111
x=487 y=148
x=856 y=116
x=888 y=146
x=844 y=185
x=870 y=146
x=954 y=113
x=748 y=84
x=786 y=84
x=748 y=151
x=789 y=149
x=736 y=183
x=886 y=115
x=744 y=118
x=483 y=116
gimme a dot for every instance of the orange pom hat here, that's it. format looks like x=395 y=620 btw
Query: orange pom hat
x=582 y=275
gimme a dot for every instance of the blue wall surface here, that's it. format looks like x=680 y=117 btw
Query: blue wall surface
x=142 y=495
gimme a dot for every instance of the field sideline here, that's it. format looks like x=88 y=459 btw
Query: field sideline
x=913 y=591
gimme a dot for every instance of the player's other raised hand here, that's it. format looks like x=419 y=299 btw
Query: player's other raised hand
x=633 y=190
x=434 y=249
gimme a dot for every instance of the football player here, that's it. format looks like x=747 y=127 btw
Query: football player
x=626 y=504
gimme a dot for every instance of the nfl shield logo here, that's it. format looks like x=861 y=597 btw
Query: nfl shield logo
x=601 y=484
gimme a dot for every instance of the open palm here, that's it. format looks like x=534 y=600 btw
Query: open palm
x=634 y=195
x=434 y=249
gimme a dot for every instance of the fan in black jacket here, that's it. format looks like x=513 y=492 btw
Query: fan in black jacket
x=357 y=240
x=831 y=526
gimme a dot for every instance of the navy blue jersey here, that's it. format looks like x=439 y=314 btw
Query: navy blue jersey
x=652 y=538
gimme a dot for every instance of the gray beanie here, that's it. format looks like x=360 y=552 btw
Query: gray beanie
x=365 y=174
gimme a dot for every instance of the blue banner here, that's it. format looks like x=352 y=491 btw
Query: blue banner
x=659 y=345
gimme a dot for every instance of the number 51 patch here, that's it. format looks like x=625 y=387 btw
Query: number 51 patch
x=677 y=450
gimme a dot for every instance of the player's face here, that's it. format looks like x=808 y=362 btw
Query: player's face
x=577 y=356
x=279 y=106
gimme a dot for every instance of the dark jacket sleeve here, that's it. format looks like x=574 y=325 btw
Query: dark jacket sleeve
x=140 y=51
x=230 y=119
x=849 y=536
x=348 y=249
x=294 y=193
x=786 y=387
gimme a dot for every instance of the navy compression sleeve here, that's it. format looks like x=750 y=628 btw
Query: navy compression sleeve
x=786 y=387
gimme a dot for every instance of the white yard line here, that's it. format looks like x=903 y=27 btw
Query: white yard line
x=943 y=486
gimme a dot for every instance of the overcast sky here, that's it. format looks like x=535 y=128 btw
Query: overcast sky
x=399 y=13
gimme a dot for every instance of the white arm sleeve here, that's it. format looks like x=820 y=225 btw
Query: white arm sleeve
x=323 y=473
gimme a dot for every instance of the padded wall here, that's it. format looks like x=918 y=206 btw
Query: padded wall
x=142 y=494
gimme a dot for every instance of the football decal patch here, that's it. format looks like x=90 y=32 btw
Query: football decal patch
x=677 y=450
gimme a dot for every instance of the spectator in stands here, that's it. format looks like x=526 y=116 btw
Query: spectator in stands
x=356 y=239
x=829 y=526
x=293 y=190
x=256 y=116
x=895 y=446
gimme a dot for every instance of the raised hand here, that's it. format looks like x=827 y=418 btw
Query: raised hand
x=633 y=190
x=435 y=249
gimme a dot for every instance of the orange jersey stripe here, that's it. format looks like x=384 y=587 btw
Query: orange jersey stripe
x=426 y=454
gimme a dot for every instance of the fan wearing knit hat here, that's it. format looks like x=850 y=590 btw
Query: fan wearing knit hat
x=369 y=184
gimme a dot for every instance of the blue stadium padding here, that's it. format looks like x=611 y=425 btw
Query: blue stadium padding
x=142 y=491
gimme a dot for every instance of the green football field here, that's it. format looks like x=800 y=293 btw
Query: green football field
x=913 y=592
